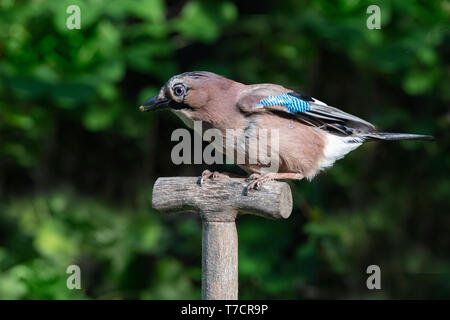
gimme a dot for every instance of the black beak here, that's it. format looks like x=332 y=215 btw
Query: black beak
x=154 y=104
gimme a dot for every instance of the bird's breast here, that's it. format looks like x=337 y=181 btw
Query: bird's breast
x=189 y=122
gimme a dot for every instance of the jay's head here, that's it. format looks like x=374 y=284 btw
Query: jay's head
x=191 y=94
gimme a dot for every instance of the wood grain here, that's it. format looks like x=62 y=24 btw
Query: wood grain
x=214 y=197
x=219 y=202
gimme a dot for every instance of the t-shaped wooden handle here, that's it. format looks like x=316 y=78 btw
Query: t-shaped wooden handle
x=218 y=202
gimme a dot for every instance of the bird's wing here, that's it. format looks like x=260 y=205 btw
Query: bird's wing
x=286 y=102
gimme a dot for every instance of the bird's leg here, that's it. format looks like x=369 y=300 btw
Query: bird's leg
x=256 y=180
x=214 y=175
x=252 y=177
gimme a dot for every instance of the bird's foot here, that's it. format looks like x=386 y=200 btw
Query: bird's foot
x=256 y=181
x=210 y=175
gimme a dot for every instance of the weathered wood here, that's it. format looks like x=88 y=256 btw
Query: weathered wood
x=219 y=261
x=218 y=202
x=184 y=194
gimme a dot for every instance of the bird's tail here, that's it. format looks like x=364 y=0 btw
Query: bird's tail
x=391 y=136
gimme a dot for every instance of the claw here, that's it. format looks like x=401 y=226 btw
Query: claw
x=254 y=185
x=256 y=182
x=205 y=175
x=252 y=177
x=210 y=175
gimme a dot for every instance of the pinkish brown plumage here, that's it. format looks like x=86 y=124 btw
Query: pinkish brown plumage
x=312 y=135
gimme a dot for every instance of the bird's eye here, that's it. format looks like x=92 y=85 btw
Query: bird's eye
x=179 y=90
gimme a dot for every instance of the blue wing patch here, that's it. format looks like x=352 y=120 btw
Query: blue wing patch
x=292 y=104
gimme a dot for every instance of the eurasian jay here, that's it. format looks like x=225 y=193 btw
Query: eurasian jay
x=312 y=134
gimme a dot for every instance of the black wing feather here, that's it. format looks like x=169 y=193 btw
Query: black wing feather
x=333 y=115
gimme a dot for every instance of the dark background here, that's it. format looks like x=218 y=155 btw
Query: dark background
x=78 y=161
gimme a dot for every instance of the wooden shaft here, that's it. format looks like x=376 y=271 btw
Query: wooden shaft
x=219 y=261
x=218 y=202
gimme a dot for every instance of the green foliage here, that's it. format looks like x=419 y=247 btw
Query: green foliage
x=77 y=161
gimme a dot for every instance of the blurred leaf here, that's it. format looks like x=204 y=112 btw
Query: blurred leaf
x=202 y=20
